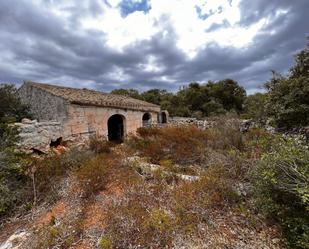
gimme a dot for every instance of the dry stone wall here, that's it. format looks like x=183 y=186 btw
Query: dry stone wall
x=244 y=125
x=202 y=124
x=36 y=135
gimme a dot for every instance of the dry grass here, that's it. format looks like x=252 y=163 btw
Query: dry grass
x=100 y=145
x=185 y=145
x=110 y=205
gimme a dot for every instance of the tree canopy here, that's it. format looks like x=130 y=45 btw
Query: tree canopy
x=11 y=110
x=196 y=99
x=288 y=96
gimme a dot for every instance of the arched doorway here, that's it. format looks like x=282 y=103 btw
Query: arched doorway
x=163 y=118
x=115 y=126
x=146 y=119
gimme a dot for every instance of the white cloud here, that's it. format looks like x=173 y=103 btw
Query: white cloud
x=118 y=74
x=183 y=17
x=152 y=66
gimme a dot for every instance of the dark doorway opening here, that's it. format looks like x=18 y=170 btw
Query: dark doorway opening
x=115 y=128
x=163 y=117
x=146 y=119
x=56 y=143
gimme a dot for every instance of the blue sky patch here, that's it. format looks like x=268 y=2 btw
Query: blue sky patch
x=199 y=12
x=128 y=6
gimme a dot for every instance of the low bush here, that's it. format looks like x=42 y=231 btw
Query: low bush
x=15 y=187
x=141 y=218
x=26 y=181
x=258 y=141
x=100 y=145
x=105 y=243
x=48 y=172
x=92 y=175
x=281 y=184
x=226 y=134
x=182 y=145
x=185 y=145
x=193 y=200
x=151 y=213
x=63 y=235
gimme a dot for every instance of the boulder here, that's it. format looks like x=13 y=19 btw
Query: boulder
x=37 y=136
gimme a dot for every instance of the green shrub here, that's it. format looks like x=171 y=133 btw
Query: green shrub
x=281 y=184
x=105 y=243
x=12 y=110
x=15 y=188
x=287 y=101
x=26 y=181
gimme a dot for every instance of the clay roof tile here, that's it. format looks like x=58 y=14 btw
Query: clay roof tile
x=95 y=98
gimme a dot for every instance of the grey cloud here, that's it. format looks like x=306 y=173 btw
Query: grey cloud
x=36 y=45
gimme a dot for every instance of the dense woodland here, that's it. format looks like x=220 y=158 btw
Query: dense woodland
x=255 y=182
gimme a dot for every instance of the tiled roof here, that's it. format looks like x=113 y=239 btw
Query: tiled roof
x=95 y=98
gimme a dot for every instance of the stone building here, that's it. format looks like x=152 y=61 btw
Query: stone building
x=83 y=112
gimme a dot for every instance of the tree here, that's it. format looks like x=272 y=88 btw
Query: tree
x=288 y=102
x=195 y=96
x=229 y=94
x=195 y=100
x=254 y=107
x=301 y=68
x=154 y=96
x=127 y=92
x=12 y=178
x=11 y=110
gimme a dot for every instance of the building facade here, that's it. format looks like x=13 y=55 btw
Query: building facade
x=84 y=112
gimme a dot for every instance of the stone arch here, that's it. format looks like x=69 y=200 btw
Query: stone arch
x=116 y=128
x=146 y=119
x=163 y=118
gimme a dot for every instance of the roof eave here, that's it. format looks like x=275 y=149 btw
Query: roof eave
x=134 y=108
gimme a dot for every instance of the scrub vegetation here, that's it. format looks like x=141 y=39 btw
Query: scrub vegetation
x=248 y=188
x=170 y=187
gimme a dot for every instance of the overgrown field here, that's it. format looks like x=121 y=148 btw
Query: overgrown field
x=174 y=187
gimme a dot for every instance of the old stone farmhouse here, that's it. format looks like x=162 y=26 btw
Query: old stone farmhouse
x=83 y=112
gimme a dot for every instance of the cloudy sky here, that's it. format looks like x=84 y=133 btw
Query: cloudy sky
x=107 y=44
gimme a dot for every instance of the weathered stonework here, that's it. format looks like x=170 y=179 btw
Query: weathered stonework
x=36 y=135
x=93 y=120
x=43 y=105
x=81 y=113
x=202 y=124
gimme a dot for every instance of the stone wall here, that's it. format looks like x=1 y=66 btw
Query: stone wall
x=244 y=125
x=43 y=105
x=202 y=124
x=76 y=121
x=88 y=120
x=81 y=123
x=36 y=135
